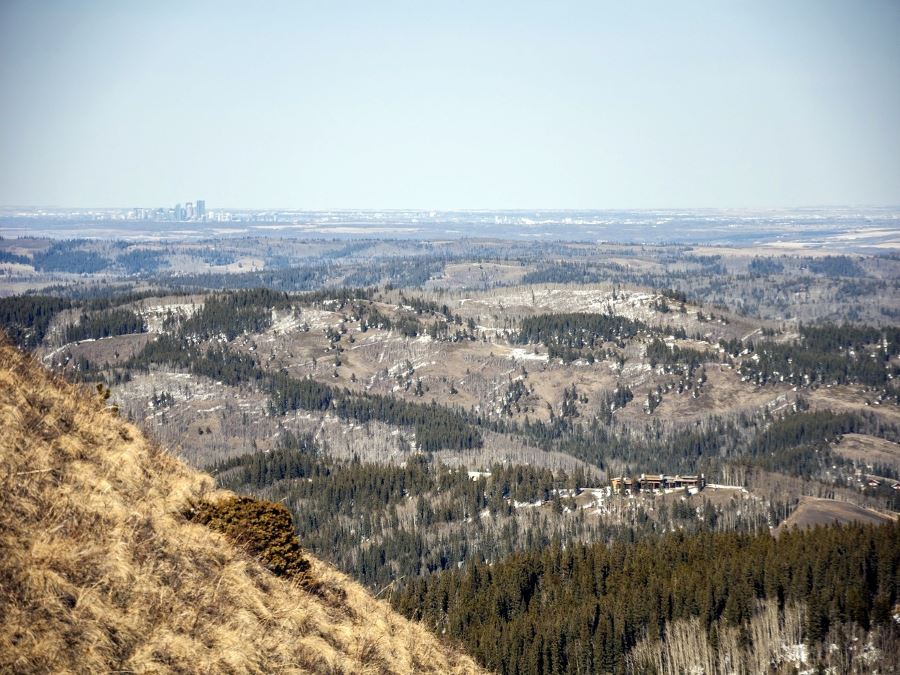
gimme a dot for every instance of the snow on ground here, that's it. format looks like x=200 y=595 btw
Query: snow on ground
x=48 y=358
x=717 y=486
x=795 y=654
x=632 y=305
x=635 y=372
x=870 y=653
x=393 y=370
x=156 y=314
x=286 y=323
x=318 y=318
x=520 y=354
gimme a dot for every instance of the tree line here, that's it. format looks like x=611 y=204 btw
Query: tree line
x=382 y=522
x=96 y=325
x=582 y=608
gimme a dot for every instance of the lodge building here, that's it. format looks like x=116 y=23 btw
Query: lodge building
x=652 y=482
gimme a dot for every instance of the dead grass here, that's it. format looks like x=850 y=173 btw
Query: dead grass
x=100 y=571
x=814 y=511
x=869 y=450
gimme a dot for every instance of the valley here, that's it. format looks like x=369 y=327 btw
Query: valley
x=451 y=412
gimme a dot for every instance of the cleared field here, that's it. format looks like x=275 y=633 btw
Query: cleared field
x=847 y=398
x=111 y=351
x=814 y=511
x=869 y=449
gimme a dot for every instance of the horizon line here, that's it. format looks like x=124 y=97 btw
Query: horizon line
x=371 y=209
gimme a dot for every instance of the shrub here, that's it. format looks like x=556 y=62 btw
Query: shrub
x=262 y=528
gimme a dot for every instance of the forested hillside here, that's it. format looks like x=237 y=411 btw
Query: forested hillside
x=584 y=608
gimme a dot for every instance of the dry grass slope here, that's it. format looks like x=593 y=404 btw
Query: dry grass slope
x=814 y=511
x=100 y=572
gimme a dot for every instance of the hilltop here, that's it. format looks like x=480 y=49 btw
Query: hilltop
x=102 y=571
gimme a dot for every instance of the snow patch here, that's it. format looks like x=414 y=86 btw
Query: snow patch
x=519 y=354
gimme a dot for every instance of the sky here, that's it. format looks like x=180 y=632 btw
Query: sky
x=450 y=105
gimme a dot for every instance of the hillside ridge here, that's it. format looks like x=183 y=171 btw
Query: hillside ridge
x=102 y=572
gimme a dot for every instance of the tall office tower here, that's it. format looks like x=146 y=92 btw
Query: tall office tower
x=189 y=210
x=200 y=209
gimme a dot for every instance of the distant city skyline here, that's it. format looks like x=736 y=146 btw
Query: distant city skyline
x=532 y=105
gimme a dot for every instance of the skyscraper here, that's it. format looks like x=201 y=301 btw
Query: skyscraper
x=200 y=210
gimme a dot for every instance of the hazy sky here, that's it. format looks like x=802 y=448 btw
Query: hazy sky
x=450 y=104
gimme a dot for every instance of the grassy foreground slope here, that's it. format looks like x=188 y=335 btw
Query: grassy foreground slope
x=101 y=572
